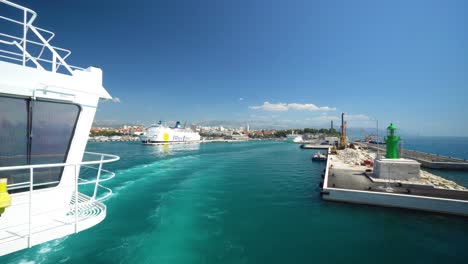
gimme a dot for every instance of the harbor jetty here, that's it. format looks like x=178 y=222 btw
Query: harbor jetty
x=314 y=146
x=357 y=175
x=427 y=160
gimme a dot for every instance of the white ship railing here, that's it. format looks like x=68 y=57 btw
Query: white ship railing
x=35 y=47
x=80 y=204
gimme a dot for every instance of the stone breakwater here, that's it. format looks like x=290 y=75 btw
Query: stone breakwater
x=355 y=157
x=439 y=182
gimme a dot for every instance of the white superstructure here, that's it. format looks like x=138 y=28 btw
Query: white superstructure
x=46 y=111
x=291 y=137
x=296 y=138
x=162 y=133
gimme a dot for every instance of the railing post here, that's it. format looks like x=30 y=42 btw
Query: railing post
x=76 y=198
x=54 y=62
x=31 y=183
x=25 y=31
x=97 y=178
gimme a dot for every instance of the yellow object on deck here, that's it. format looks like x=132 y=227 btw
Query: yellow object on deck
x=5 y=199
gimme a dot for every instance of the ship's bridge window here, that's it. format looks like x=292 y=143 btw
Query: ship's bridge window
x=34 y=132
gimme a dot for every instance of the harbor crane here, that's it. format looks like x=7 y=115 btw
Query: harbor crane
x=343 y=132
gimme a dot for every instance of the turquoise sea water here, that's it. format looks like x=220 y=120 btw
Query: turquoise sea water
x=252 y=202
x=447 y=146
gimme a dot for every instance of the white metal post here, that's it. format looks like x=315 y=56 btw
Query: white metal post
x=25 y=28
x=31 y=183
x=76 y=199
x=97 y=178
x=54 y=62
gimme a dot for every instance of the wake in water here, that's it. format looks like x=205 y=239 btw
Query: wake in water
x=255 y=202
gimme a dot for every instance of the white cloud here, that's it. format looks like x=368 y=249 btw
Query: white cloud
x=267 y=106
x=270 y=107
x=310 y=107
x=241 y=99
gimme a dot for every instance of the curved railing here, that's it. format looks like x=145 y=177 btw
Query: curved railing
x=81 y=206
x=99 y=179
x=101 y=159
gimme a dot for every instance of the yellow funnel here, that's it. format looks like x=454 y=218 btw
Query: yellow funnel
x=5 y=199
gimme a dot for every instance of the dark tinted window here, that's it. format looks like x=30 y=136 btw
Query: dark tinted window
x=53 y=125
x=50 y=125
x=13 y=137
x=52 y=130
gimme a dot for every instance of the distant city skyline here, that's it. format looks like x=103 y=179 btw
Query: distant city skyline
x=273 y=63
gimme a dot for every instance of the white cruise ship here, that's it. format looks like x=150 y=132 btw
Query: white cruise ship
x=47 y=108
x=161 y=134
x=296 y=138
x=291 y=137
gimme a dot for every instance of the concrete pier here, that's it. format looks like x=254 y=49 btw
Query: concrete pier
x=312 y=146
x=427 y=160
x=345 y=182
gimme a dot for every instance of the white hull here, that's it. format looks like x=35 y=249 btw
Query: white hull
x=298 y=139
x=171 y=142
x=294 y=138
x=162 y=134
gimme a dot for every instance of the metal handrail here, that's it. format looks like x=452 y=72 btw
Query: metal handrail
x=68 y=52
x=37 y=166
x=28 y=18
x=52 y=34
x=80 y=181
x=73 y=207
x=25 y=9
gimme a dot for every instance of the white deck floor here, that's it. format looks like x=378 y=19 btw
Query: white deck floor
x=52 y=225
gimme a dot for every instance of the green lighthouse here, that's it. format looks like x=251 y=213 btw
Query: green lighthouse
x=392 y=142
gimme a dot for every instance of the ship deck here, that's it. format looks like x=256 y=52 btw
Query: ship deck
x=47 y=226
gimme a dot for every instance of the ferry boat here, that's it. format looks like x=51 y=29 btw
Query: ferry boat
x=46 y=111
x=162 y=134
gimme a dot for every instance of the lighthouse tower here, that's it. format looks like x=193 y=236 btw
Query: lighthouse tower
x=392 y=142
x=392 y=167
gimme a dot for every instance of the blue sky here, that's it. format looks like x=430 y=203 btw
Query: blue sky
x=273 y=63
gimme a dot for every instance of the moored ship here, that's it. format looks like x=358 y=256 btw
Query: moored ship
x=296 y=138
x=161 y=133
